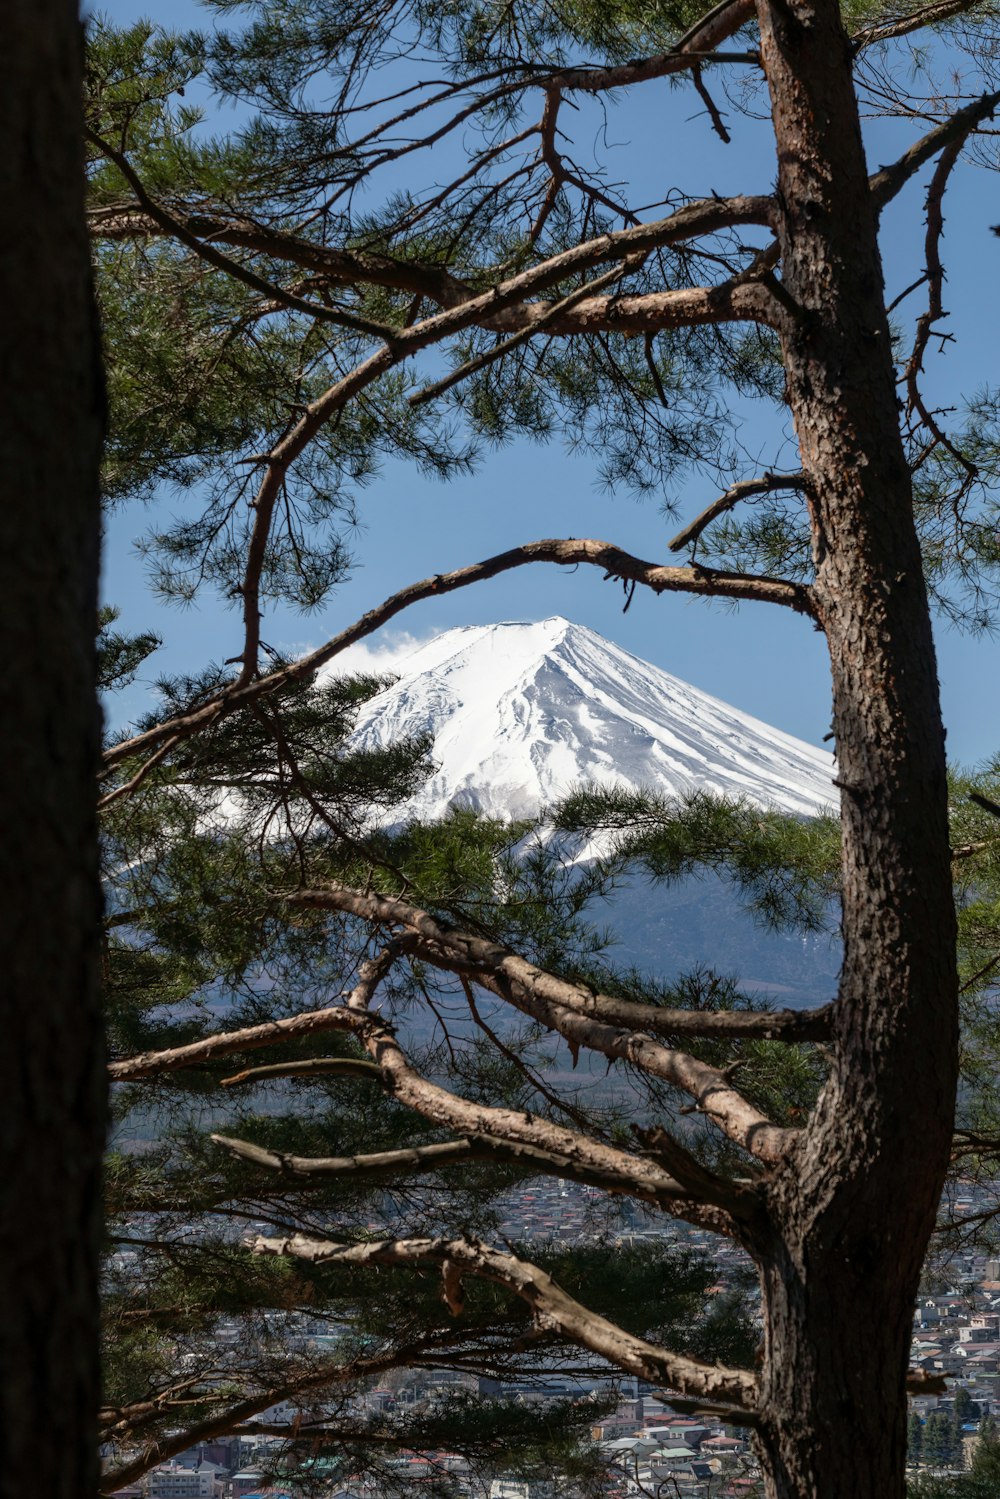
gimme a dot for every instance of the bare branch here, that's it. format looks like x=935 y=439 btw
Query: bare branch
x=134 y=782
x=469 y=1149
x=616 y=563
x=355 y=1067
x=271 y=1033
x=583 y=1018
x=714 y=114
x=934 y=273
x=552 y=1308
x=741 y=491
x=889 y=181
x=681 y=1164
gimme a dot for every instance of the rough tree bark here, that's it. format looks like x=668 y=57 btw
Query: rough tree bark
x=837 y=1214
x=51 y=1081
x=851 y=1213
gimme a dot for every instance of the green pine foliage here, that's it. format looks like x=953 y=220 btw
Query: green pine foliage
x=200 y=940
x=297 y=233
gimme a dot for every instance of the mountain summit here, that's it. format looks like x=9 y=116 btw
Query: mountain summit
x=520 y=713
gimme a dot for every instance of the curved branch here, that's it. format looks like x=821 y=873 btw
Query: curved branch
x=927 y=15
x=696 y=45
x=569 y=553
x=934 y=274
x=355 y=1067
x=252 y=1038
x=554 y=1310
x=736 y=492
x=502 y=307
x=581 y=1017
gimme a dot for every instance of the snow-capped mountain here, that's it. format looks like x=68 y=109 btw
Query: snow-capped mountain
x=523 y=712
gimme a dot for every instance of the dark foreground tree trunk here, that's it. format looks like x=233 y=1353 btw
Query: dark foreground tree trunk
x=853 y=1210
x=52 y=1090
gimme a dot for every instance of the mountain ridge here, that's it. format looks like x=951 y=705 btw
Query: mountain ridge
x=521 y=712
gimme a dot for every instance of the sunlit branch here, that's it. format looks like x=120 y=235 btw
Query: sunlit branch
x=745 y=489
x=252 y=1038
x=552 y=1308
x=467 y=1150
x=576 y=1014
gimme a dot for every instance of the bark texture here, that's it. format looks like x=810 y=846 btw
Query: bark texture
x=52 y=1119
x=852 y=1211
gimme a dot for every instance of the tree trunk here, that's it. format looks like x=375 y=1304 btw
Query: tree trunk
x=855 y=1207
x=51 y=1061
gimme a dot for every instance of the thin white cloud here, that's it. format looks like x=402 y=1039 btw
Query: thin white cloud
x=382 y=656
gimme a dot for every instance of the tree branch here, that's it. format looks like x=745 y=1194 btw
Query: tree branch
x=886 y=183
x=466 y=1150
x=697 y=44
x=552 y=1308
x=737 y=492
x=173 y=1442
x=934 y=274
x=555 y=311
x=178 y=229
x=632 y=1174
x=580 y=1016
x=928 y=15
x=271 y=1033
x=338 y=266
x=355 y=1067
x=568 y=553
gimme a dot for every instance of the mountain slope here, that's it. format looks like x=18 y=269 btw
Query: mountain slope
x=521 y=713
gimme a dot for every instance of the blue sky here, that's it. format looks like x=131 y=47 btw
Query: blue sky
x=761 y=659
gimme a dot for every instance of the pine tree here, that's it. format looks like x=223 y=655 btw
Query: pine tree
x=914 y=1438
x=939 y=1439
x=290 y=304
x=52 y=1058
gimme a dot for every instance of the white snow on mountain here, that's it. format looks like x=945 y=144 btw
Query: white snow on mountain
x=523 y=712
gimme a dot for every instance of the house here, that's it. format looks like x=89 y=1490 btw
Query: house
x=172 y=1481
x=246 y=1482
